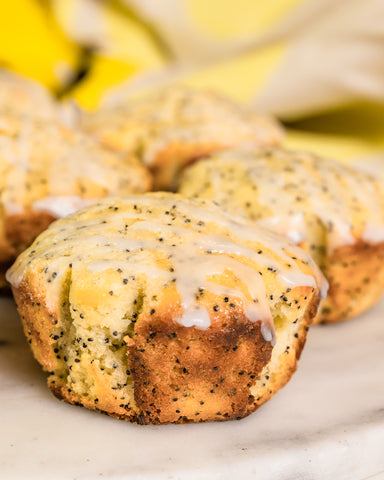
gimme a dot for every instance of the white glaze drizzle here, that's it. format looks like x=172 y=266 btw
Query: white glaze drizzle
x=179 y=114
x=61 y=206
x=320 y=183
x=366 y=193
x=64 y=161
x=292 y=227
x=79 y=160
x=132 y=245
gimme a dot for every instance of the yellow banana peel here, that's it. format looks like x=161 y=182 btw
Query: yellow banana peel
x=32 y=44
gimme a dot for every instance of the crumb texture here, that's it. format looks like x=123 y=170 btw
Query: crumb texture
x=175 y=126
x=48 y=171
x=332 y=211
x=160 y=309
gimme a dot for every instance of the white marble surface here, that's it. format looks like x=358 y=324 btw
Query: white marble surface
x=328 y=423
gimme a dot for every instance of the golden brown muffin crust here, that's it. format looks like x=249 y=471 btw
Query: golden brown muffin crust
x=48 y=171
x=158 y=309
x=332 y=211
x=356 y=278
x=173 y=127
x=176 y=370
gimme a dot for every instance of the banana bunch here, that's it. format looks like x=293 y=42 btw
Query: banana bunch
x=76 y=48
x=32 y=44
x=117 y=45
x=269 y=55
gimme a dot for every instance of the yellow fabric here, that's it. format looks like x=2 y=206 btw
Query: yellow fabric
x=316 y=64
x=230 y=19
x=32 y=44
x=103 y=74
x=348 y=134
x=122 y=47
x=241 y=76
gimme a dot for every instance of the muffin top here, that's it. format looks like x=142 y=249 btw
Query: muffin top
x=162 y=244
x=22 y=96
x=180 y=115
x=45 y=166
x=300 y=195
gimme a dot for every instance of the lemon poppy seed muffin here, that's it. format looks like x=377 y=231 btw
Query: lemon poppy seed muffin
x=177 y=125
x=21 y=96
x=160 y=309
x=330 y=210
x=48 y=171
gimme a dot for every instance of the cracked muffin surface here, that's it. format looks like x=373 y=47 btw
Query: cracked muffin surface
x=159 y=309
x=334 y=212
x=48 y=171
x=173 y=127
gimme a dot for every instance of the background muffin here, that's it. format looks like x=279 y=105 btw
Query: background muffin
x=332 y=211
x=159 y=309
x=173 y=127
x=48 y=171
x=22 y=96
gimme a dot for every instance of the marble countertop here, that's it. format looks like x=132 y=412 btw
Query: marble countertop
x=327 y=423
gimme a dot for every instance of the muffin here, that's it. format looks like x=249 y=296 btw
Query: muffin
x=48 y=171
x=334 y=212
x=159 y=309
x=21 y=96
x=175 y=126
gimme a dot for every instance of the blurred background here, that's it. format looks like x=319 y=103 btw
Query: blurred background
x=318 y=65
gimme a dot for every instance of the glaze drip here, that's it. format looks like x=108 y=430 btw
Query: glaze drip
x=47 y=167
x=169 y=239
x=286 y=190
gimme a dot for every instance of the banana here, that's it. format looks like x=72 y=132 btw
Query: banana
x=120 y=45
x=32 y=44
